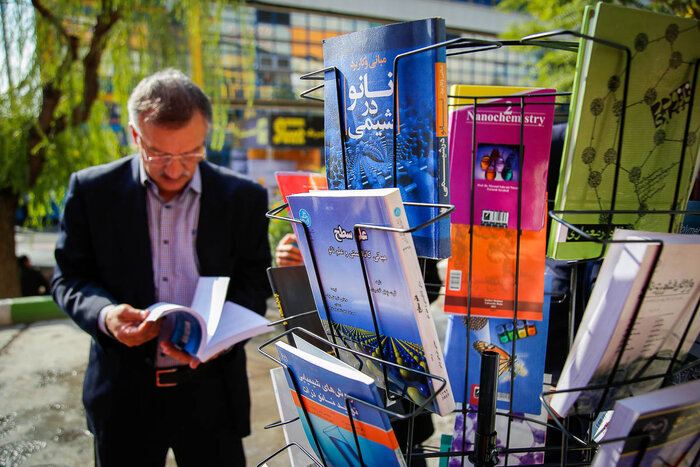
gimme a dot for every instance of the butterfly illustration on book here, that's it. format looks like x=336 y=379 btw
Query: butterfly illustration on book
x=505 y=361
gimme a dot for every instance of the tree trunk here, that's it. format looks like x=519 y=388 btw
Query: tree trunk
x=9 y=272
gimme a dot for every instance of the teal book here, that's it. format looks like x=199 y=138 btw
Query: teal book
x=670 y=418
x=523 y=370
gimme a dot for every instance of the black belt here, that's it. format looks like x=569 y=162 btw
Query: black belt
x=175 y=375
x=169 y=377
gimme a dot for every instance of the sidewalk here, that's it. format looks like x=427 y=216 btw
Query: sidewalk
x=42 y=421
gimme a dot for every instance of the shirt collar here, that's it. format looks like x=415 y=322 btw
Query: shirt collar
x=195 y=183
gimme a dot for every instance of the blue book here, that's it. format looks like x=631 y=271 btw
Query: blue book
x=691 y=222
x=364 y=120
x=498 y=334
x=325 y=384
x=407 y=334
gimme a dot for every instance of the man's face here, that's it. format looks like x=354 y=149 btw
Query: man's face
x=186 y=144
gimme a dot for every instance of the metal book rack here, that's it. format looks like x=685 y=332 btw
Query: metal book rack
x=340 y=345
x=587 y=446
x=485 y=452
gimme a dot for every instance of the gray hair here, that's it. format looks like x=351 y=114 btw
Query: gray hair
x=167 y=98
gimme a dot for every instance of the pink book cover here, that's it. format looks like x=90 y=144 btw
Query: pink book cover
x=496 y=169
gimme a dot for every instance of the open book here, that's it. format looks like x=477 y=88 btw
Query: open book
x=211 y=324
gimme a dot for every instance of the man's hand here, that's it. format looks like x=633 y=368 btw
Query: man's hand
x=180 y=355
x=127 y=325
x=287 y=252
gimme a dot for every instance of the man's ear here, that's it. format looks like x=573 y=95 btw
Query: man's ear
x=134 y=133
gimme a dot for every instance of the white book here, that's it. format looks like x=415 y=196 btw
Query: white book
x=211 y=324
x=293 y=431
x=665 y=312
x=395 y=281
x=671 y=419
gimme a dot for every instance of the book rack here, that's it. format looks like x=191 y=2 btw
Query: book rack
x=337 y=342
x=673 y=368
x=485 y=451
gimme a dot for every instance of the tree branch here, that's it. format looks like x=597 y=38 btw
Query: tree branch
x=91 y=62
x=48 y=16
x=51 y=95
x=51 y=92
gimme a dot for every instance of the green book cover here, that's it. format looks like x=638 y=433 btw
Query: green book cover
x=656 y=164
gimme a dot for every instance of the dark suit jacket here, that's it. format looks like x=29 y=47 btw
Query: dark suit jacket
x=103 y=256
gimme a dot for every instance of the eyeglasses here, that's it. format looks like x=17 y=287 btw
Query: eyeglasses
x=156 y=157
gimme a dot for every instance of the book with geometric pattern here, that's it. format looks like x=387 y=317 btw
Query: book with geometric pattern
x=653 y=167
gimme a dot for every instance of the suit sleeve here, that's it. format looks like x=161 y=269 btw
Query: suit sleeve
x=73 y=286
x=249 y=284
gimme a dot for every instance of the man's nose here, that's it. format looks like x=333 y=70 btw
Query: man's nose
x=175 y=168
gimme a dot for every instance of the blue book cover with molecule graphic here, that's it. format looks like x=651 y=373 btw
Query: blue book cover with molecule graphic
x=407 y=334
x=639 y=154
x=523 y=370
x=359 y=106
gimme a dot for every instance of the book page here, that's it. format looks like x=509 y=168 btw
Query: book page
x=208 y=301
x=293 y=431
x=236 y=324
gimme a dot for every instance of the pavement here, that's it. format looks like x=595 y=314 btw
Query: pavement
x=42 y=365
x=42 y=420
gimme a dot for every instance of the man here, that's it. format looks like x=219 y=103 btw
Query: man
x=32 y=281
x=143 y=229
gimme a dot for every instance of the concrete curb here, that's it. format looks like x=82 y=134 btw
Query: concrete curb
x=28 y=310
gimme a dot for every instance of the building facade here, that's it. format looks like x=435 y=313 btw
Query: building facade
x=285 y=38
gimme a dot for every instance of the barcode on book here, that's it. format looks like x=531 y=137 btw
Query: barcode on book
x=455 y=282
x=494 y=218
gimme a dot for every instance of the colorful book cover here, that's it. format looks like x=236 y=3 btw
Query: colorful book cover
x=648 y=290
x=655 y=167
x=508 y=149
x=527 y=431
x=492 y=272
x=670 y=418
x=325 y=387
x=291 y=183
x=360 y=118
x=499 y=335
x=407 y=331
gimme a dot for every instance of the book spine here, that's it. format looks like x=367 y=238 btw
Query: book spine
x=421 y=306
x=560 y=231
x=442 y=240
